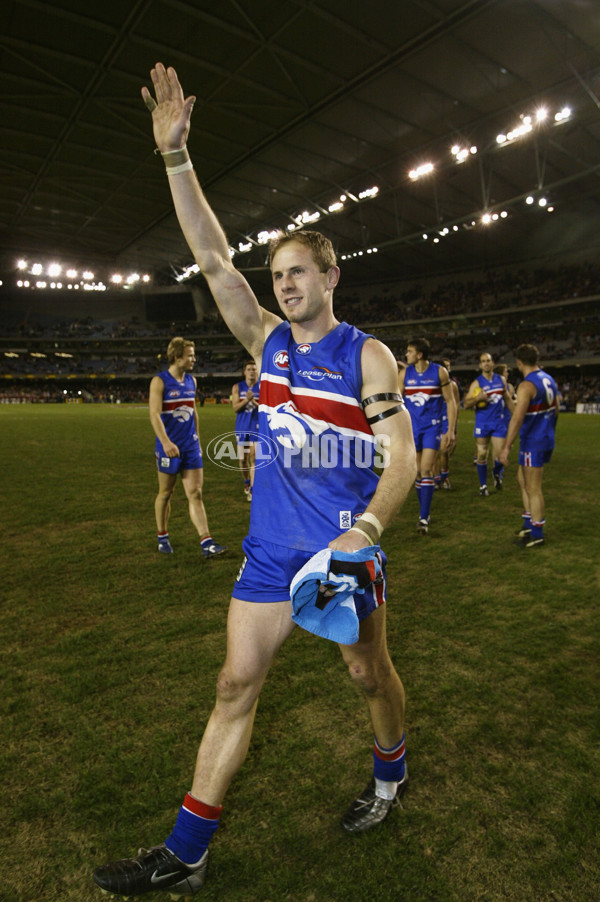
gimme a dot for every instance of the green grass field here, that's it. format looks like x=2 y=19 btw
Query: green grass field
x=110 y=653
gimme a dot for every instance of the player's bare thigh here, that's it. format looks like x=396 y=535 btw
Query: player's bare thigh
x=192 y=481
x=166 y=483
x=255 y=633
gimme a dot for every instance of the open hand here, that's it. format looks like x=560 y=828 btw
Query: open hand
x=171 y=112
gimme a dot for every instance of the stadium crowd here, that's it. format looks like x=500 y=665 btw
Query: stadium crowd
x=555 y=309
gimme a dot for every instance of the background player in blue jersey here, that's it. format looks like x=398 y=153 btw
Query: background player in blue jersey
x=426 y=386
x=534 y=421
x=244 y=400
x=493 y=404
x=320 y=378
x=442 y=461
x=174 y=418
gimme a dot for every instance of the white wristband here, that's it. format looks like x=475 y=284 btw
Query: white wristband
x=363 y=533
x=175 y=170
x=371 y=518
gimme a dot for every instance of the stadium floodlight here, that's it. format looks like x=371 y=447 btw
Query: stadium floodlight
x=420 y=171
x=462 y=153
x=265 y=236
x=54 y=269
x=21 y=264
x=563 y=114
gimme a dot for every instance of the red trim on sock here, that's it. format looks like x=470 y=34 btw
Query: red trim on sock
x=209 y=812
x=392 y=755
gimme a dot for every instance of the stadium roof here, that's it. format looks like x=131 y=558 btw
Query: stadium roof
x=301 y=103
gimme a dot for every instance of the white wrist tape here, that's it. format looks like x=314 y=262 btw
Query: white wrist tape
x=177 y=161
x=374 y=521
x=363 y=533
x=175 y=170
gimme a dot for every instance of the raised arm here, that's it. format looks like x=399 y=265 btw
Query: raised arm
x=171 y=112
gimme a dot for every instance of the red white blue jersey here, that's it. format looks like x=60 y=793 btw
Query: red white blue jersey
x=495 y=414
x=423 y=396
x=537 y=431
x=178 y=410
x=246 y=419
x=321 y=473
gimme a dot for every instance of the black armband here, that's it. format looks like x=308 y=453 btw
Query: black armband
x=382 y=396
x=386 y=413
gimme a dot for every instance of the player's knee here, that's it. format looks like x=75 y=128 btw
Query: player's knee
x=234 y=690
x=369 y=677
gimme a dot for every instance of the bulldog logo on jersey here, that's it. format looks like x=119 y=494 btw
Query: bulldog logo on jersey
x=303 y=349
x=182 y=414
x=419 y=399
x=291 y=428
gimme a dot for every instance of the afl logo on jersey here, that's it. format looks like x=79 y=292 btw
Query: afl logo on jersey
x=281 y=359
x=303 y=349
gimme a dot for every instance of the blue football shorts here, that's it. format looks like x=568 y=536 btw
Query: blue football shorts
x=427 y=436
x=190 y=458
x=247 y=437
x=497 y=431
x=537 y=457
x=267 y=571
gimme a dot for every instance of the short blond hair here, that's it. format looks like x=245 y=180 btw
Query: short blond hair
x=177 y=347
x=321 y=247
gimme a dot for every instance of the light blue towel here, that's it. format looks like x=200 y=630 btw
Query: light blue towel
x=333 y=618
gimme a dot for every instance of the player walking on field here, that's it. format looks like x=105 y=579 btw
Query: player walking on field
x=324 y=384
x=174 y=418
x=490 y=397
x=534 y=421
x=426 y=386
x=244 y=400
